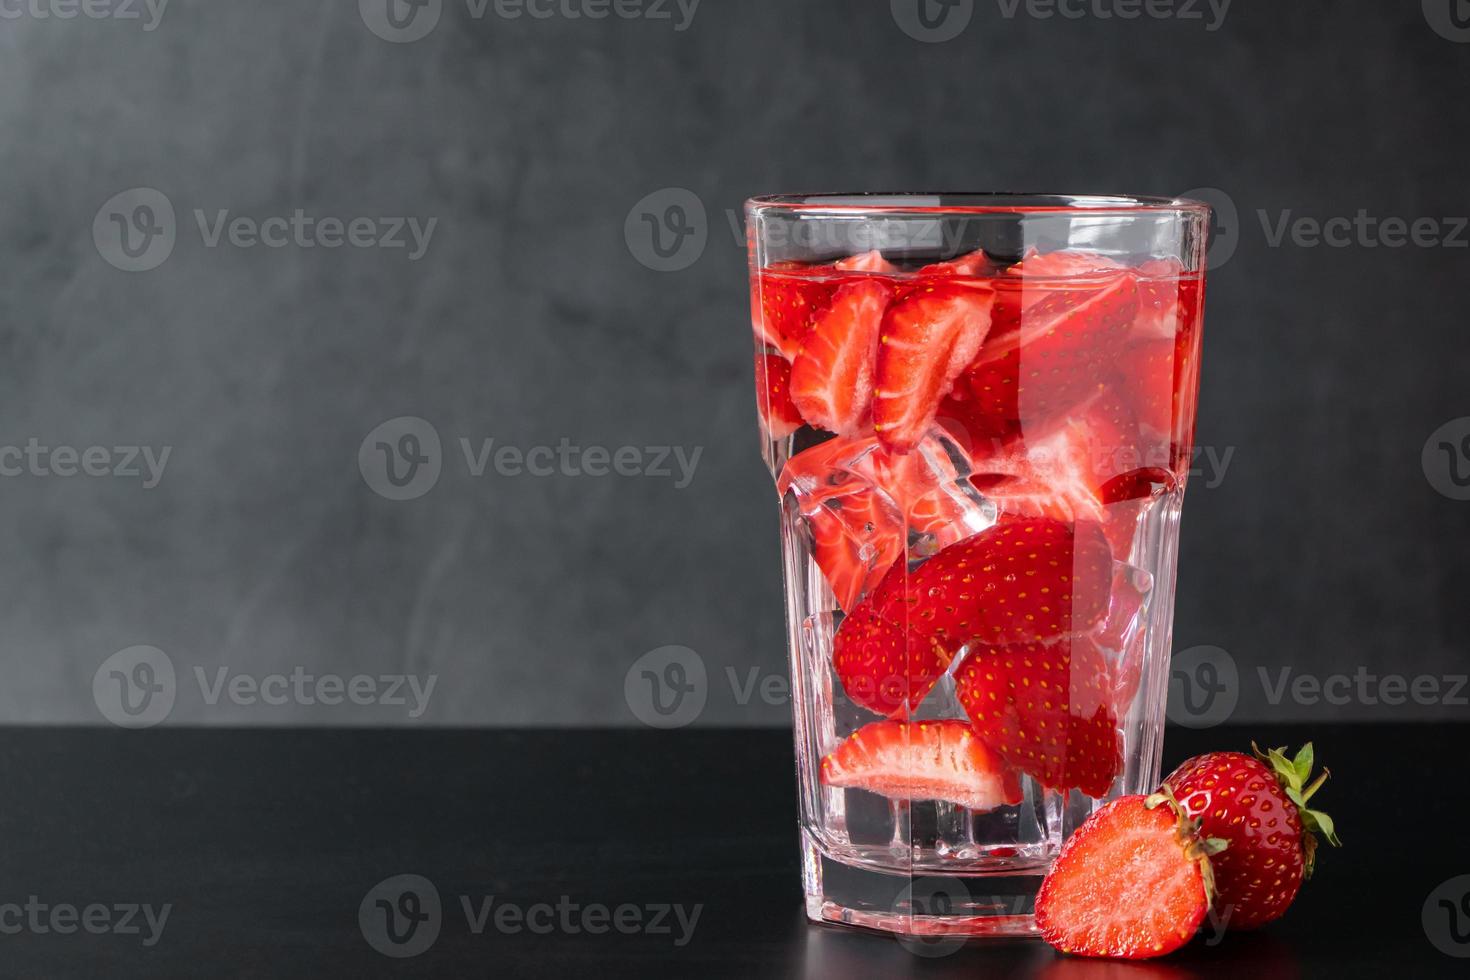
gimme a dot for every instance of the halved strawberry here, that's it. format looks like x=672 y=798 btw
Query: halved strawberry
x=773 y=396
x=927 y=339
x=785 y=299
x=832 y=377
x=1133 y=882
x=1047 y=708
x=975 y=263
x=1063 y=352
x=1017 y=582
x=923 y=760
x=882 y=666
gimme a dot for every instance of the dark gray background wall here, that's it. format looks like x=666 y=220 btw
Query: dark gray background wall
x=1326 y=545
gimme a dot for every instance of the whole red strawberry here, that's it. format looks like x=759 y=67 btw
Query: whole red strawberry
x=1259 y=805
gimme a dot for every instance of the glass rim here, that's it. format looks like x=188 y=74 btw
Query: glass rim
x=1012 y=203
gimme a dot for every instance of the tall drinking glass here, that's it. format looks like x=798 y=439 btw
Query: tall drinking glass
x=979 y=412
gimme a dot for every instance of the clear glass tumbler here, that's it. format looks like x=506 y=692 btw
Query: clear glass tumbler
x=979 y=412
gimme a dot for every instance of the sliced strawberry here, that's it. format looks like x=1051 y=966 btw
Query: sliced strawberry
x=1128 y=497
x=1133 y=882
x=1169 y=299
x=976 y=263
x=867 y=262
x=785 y=299
x=1142 y=483
x=923 y=760
x=928 y=338
x=1017 y=582
x=1063 y=265
x=832 y=377
x=773 y=396
x=1047 y=708
x=1064 y=352
x=1148 y=373
x=1059 y=472
x=882 y=666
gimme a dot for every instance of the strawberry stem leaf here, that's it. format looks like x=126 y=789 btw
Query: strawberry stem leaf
x=1293 y=775
x=1303 y=763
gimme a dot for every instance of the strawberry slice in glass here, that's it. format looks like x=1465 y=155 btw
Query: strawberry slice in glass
x=923 y=760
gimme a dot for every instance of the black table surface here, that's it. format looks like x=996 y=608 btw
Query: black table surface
x=263 y=845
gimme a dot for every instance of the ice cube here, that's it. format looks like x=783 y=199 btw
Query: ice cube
x=865 y=506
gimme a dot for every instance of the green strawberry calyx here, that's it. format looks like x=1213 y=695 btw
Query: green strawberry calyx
x=1295 y=776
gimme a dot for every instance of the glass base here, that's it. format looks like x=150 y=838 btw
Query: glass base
x=919 y=904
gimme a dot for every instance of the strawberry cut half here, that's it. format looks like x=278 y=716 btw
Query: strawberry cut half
x=779 y=416
x=926 y=341
x=1133 y=882
x=832 y=377
x=1064 y=351
x=923 y=760
x=1017 y=582
x=1047 y=708
x=883 y=667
